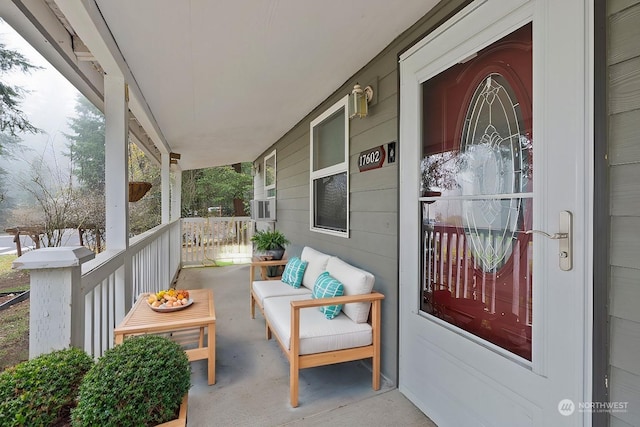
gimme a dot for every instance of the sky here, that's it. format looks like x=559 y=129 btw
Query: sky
x=48 y=105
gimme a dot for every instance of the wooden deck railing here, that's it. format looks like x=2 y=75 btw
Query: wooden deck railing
x=209 y=240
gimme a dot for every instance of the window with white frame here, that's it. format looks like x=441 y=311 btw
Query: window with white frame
x=270 y=174
x=329 y=166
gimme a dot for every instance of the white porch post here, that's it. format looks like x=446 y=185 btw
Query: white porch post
x=57 y=300
x=116 y=114
x=165 y=176
x=176 y=194
x=116 y=163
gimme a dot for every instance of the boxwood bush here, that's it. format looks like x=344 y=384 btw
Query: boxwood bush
x=138 y=383
x=41 y=391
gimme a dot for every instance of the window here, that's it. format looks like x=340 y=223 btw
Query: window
x=270 y=174
x=329 y=177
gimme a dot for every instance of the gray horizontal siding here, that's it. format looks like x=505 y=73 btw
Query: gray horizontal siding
x=625 y=339
x=624 y=90
x=617 y=422
x=379 y=179
x=615 y=6
x=624 y=35
x=625 y=241
x=625 y=388
x=623 y=135
x=625 y=191
x=623 y=57
x=625 y=293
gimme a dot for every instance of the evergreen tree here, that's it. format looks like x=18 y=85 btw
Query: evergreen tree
x=86 y=149
x=12 y=119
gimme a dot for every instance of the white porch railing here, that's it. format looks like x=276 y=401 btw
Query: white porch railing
x=154 y=260
x=208 y=240
x=78 y=301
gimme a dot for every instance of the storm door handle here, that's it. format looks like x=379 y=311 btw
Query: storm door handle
x=564 y=238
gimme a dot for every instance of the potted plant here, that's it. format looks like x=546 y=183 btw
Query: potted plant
x=270 y=243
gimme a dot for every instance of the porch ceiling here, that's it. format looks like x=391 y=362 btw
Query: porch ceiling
x=225 y=79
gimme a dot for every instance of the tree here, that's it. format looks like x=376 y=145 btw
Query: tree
x=54 y=198
x=216 y=187
x=7 y=144
x=12 y=118
x=86 y=149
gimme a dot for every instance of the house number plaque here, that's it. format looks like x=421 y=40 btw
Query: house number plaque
x=371 y=159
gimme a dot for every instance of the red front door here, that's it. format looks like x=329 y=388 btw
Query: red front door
x=476 y=185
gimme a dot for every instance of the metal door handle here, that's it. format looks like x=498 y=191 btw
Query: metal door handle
x=554 y=236
x=564 y=238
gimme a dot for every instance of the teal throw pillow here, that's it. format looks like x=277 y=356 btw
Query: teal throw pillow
x=326 y=287
x=294 y=271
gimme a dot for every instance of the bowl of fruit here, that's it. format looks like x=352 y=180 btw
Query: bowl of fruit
x=169 y=300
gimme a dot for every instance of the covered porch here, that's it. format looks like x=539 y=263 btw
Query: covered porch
x=199 y=84
x=252 y=374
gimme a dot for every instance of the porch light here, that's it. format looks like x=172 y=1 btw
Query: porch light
x=359 y=102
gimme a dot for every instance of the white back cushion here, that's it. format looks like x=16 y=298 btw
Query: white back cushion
x=317 y=264
x=356 y=282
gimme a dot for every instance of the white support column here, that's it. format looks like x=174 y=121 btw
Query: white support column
x=165 y=175
x=116 y=163
x=176 y=194
x=56 y=319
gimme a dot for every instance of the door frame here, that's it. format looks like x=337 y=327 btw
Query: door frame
x=601 y=216
x=479 y=21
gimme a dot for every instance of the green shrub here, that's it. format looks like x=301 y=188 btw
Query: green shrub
x=41 y=391
x=138 y=383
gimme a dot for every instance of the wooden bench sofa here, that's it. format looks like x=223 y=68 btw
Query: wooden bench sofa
x=305 y=335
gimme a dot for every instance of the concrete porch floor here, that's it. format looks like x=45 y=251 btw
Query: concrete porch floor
x=252 y=374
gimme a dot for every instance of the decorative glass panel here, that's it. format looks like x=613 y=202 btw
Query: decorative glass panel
x=477 y=198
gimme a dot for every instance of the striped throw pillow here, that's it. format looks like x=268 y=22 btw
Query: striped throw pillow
x=294 y=272
x=326 y=287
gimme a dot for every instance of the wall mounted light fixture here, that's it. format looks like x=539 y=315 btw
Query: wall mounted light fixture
x=359 y=101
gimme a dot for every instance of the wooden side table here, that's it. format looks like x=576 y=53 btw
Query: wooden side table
x=263 y=264
x=141 y=319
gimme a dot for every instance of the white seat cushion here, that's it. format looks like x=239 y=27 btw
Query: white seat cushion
x=317 y=263
x=275 y=288
x=356 y=282
x=317 y=334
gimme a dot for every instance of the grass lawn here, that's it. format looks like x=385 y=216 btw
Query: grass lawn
x=14 y=321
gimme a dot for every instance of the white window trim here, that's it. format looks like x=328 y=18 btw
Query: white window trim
x=331 y=170
x=264 y=179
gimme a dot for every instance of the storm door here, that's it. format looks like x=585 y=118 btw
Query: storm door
x=494 y=241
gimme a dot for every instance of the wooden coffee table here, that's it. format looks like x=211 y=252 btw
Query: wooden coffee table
x=141 y=319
